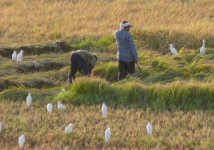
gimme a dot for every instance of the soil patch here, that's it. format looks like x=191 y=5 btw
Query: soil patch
x=28 y=83
x=38 y=67
x=32 y=67
x=55 y=46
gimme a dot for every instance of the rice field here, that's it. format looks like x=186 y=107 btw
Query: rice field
x=172 y=92
x=185 y=23
x=175 y=129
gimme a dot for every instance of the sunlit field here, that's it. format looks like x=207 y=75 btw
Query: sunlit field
x=174 y=93
x=156 y=23
x=172 y=130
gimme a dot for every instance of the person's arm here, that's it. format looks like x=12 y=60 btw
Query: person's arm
x=133 y=49
x=79 y=70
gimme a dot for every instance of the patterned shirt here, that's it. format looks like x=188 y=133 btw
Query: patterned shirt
x=126 y=46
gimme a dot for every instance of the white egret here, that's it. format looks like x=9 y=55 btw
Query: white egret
x=69 y=128
x=49 y=108
x=18 y=58
x=202 y=50
x=173 y=50
x=21 y=52
x=60 y=106
x=149 y=129
x=107 y=135
x=104 y=110
x=21 y=141
x=14 y=55
x=28 y=100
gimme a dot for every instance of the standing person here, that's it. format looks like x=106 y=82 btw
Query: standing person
x=127 y=54
x=81 y=61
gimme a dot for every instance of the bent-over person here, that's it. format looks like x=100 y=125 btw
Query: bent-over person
x=81 y=61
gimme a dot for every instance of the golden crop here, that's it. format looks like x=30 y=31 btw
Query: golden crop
x=172 y=130
x=26 y=22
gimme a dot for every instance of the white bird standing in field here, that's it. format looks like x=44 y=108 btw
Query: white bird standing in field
x=69 y=128
x=149 y=129
x=21 y=52
x=19 y=58
x=49 y=108
x=14 y=55
x=107 y=134
x=202 y=50
x=60 y=106
x=28 y=100
x=104 y=110
x=21 y=141
x=173 y=50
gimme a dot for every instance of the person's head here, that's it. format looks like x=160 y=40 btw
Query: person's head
x=95 y=57
x=125 y=25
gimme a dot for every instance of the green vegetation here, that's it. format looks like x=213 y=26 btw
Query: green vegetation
x=183 y=81
x=20 y=93
x=172 y=92
x=98 y=44
x=179 y=95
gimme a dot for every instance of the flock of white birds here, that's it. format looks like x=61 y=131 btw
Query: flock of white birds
x=174 y=51
x=18 y=56
x=69 y=128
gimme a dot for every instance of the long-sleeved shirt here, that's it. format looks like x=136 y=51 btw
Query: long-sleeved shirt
x=89 y=58
x=126 y=46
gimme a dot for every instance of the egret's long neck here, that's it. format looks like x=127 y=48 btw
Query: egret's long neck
x=203 y=42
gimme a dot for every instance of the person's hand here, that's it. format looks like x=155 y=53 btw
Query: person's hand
x=135 y=61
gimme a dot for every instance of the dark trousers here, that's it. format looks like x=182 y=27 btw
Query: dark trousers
x=125 y=68
x=77 y=60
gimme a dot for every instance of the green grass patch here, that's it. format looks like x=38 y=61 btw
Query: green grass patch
x=93 y=43
x=109 y=71
x=181 y=95
x=167 y=76
x=20 y=94
x=199 y=76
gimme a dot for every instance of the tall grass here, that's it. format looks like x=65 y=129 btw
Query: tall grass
x=171 y=129
x=181 y=95
x=164 y=82
x=20 y=93
x=158 y=68
x=156 y=23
